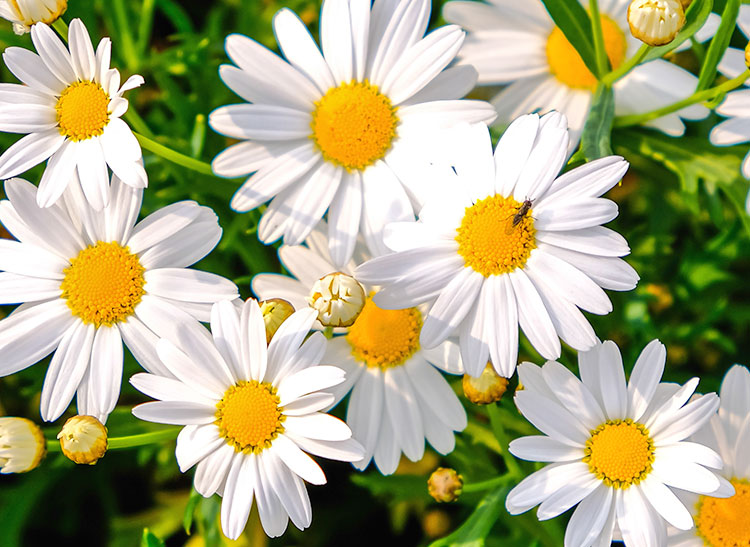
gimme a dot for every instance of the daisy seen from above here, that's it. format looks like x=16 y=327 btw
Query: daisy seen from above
x=398 y=396
x=252 y=414
x=617 y=450
x=69 y=106
x=89 y=281
x=723 y=522
x=517 y=44
x=24 y=13
x=505 y=242
x=340 y=130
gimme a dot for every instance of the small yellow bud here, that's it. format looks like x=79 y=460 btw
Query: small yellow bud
x=436 y=523
x=338 y=299
x=445 y=485
x=24 y=13
x=83 y=439
x=22 y=445
x=275 y=311
x=656 y=22
x=487 y=388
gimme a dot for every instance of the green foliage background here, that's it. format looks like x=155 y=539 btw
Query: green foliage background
x=681 y=209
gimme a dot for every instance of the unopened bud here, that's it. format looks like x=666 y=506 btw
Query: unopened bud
x=488 y=388
x=747 y=55
x=445 y=485
x=275 y=311
x=656 y=22
x=83 y=439
x=22 y=445
x=338 y=299
x=24 y=13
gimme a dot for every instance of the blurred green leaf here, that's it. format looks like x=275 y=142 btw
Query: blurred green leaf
x=393 y=487
x=574 y=22
x=596 y=137
x=149 y=539
x=719 y=44
x=473 y=532
x=187 y=520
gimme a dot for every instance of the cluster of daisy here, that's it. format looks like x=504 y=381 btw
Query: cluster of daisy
x=414 y=249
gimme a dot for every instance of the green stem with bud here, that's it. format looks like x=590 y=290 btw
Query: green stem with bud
x=129 y=441
x=627 y=66
x=486 y=485
x=61 y=27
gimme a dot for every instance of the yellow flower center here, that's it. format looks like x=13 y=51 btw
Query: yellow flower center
x=385 y=338
x=354 y=125
x=83 y=111
x=620 y=453
x=103 y=284
x=725 y=522
x=566 y=64
x=493 y=238
x=248 y=416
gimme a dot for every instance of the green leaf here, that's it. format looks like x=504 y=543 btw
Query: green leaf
x=473 y=532
x=187 y=519
x=574 y=22
x=394 y=487
x=595 y=141
x=149 y=539
x=718 y=45
x=695 y=18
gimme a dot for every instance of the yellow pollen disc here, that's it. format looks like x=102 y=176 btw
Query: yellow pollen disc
x=353 y=125
x=620 y=453
x=103 y=284
x=566 y=64
x=83 y=111
x=248 y=416
x=487 y=239
x=725 y=522
x=385 y=338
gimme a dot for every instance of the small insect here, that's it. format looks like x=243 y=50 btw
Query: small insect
x=515 y=220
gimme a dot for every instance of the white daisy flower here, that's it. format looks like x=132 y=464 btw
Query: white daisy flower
x=69 y=106
x=398 y=398
x=505 y=243
x=618 y=450
x=251 y=413
x=338 y=131
x=24 y=13
x=518 y=44
x=723 y=522
x=89 y=281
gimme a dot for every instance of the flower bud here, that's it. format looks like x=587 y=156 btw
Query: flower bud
x=83 y=439
x=22 y=445
x=656 y=22
x=275 y=311
x=338 y=299
x=24 y=13
x=445 y=485
x=485 y=389
x=747 y=55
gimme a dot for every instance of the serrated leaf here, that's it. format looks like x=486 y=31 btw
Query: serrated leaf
x=473 y=532
x=695 y=18
x=595 y=140
x=719 y=44
x=574 y=22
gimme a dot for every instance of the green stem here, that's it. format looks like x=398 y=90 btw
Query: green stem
x=61 y=27
x=602 y=61
x=126 y=35
x=496 y=422
x=174 y=156
x=129 y=441
x=698 y=97
x=627 y=66
x=145 y=25
x=485 y=485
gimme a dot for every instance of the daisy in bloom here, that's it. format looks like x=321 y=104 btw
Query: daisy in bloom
x=398 y=398
x=69 y=106
x=251 y=413
x=90 y=281
x=517 y=43
x=617 y=450
x=24 y=13
x=503 y=243
x=723 y=522
x=339 y=130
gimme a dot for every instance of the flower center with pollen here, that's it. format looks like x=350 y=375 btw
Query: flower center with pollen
x=566 y=64
x=83 y=111
x=248 y=416
x=494 y=238
x=353 y=125
x=620 y=453
x=385 y=338
x=724 y=522
x=103 y=284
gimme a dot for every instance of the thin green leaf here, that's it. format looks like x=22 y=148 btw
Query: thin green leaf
x=695 y=18
x=573 y=20
x=473 y=532
x=595 y=141
x=187 y=519
x=718 y=45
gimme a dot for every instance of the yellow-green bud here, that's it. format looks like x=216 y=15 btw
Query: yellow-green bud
x=445 y=485
x=22 y=445
x=275 y=311
x=656 y=22
x=338 y=298
x=488 y=388
x=83 y=439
